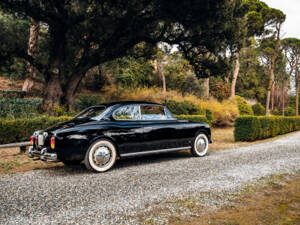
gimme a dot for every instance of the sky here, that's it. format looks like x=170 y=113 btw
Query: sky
x=291 y=8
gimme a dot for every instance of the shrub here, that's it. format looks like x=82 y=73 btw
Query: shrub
x=84 y=101
x=208 y=115
x=250 y=128
x=244 y=107
x=258 y=109
x=292 y=103
x=12 y=94
x=219 y=89
x=193 y=118
x=290 y=111
x=21 y=129
x=185 y=107
x=16 y=108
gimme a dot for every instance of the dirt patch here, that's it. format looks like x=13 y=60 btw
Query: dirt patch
x=12 y=161
x=6 y=84
x=275 y=203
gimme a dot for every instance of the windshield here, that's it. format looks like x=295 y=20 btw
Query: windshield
x=93 y=113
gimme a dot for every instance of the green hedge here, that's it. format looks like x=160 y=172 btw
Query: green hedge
x=244 y=107
x=194 y=118
x=12 y=94
x=183 y=108
x=250 y=128
x=12 y=108
x=21 y=129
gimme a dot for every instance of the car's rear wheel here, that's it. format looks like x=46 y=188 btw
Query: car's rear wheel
x=101 y=156
x=200 y=146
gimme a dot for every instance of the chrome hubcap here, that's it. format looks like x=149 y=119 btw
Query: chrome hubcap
x=201 y=145
x=102 y=155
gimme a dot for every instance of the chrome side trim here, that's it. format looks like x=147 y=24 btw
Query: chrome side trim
x=154 y=151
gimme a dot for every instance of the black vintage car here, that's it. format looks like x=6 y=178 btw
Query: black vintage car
x=101 y=134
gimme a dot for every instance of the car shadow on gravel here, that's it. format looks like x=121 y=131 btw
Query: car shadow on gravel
x=123 y=163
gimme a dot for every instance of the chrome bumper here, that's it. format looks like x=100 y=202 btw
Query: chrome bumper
x=42 y=155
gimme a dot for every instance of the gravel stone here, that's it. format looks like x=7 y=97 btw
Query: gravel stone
x=73 y=195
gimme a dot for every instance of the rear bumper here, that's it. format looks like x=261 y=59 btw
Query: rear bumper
x=42 y=155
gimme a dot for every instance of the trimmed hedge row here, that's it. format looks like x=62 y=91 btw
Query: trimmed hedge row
x=21 y=129
x=194 y=118
x=250 y=128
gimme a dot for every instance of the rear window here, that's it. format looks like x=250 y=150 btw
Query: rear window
x=149 y=112
x=93 y=113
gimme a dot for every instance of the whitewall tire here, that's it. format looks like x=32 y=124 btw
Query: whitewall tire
x=200 y=145
x=101 y=156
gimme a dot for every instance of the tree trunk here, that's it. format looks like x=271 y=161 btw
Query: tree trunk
x=272 y=68
x=273 y=96
x=206 y=87
x=283 y=95
x=297 y=91
x=32 y=46
x=72 y=87
x=235 y=74
x=269 y=89
x=53 y=93
x=160 y=71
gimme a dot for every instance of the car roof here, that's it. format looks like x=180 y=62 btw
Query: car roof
x=128 y=103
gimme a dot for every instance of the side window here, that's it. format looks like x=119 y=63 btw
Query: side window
x=150 y=112
x=128 y=112
x=169 y=115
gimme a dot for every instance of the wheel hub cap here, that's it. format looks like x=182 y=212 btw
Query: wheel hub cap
x=201 y=145
x=102 y=155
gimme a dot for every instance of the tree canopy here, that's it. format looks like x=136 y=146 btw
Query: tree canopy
x=79 y=35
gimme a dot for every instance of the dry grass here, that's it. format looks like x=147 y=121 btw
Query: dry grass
x=224 y=113
x=6 y=84
x=274 y=203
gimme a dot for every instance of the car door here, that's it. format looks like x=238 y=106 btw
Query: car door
x=127 y=129
x=161 y=131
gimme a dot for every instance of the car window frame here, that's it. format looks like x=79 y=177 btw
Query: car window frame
x=140 y=113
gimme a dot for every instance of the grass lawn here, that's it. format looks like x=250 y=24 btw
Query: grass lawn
x=277 y=202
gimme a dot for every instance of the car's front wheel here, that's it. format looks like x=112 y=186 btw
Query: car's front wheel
x=200 y=146
x=101 y=156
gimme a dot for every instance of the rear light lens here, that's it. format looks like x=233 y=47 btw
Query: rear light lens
x=31 y=140
x=52 y=142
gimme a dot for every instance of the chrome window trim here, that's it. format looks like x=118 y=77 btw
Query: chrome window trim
x=150 y=152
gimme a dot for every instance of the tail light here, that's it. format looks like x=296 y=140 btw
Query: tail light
x=31 y=140
x=52 y=142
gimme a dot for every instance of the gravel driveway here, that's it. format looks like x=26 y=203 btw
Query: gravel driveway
x=74 y=195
